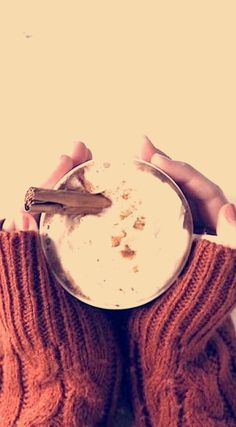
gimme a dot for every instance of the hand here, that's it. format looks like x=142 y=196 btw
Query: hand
x=26 y=221
x=209 y=206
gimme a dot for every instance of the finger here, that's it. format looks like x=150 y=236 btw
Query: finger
x=1 y=223
x=22 y=221
x=80 y=154
x=207 y=197
x=64 y=166
x=148 y=150
x=192 y=181
x=226 y=226
x=8 y=225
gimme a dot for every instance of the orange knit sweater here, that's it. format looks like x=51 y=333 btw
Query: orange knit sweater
x=183 y=347
x=59 y=362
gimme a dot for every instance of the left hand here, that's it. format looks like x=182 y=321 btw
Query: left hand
x=210 y=207
x=26 y=221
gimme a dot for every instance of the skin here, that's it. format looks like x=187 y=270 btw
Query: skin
x=205 y=197
x=25 y=221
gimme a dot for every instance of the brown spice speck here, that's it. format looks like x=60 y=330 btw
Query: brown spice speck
x=125 y=214
x=126 y=194
x=135 y=269
x=117 y=239
x=128 y=252
x=106 y=165
x=139 y=223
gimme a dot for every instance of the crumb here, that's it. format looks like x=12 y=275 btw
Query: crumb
x=125 y=214
x=126 y=194
x=135 y=269
x=139 y=223
x=128 y=252
x=106 y=165
x=117 y=239
x=90 y=187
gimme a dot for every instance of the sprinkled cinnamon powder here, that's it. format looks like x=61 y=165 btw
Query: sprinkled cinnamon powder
x=117 y=239
x=128 y=252
x=125 y=214
x=126 y=194
x=139 y=223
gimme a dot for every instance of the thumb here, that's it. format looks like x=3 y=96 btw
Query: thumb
x=226 y=226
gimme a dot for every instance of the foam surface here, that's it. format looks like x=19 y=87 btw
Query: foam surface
x=132 y=250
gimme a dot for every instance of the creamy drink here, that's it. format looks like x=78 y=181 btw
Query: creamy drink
x=130 y=252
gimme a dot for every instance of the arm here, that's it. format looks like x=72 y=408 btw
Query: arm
x=188 y=314
x=59 y=364
x=183 y=345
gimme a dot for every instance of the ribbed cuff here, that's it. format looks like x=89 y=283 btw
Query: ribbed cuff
x=35 y=310
x=65 y=357
x=183 y=318
x=206 y=292
x=32 y=305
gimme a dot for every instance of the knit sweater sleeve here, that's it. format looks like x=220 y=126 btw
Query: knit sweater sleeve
x=60 y=363
x=181 y=321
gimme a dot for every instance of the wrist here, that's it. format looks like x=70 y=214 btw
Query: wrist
x=30 y=305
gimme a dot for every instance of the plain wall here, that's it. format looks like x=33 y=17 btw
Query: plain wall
x=107 y=72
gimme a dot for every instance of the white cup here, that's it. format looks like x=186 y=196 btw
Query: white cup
x=134 y=250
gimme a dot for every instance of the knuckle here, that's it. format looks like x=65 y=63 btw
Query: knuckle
x=218 y=190
x=185 y=165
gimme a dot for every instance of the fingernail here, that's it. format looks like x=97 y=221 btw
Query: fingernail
x=145 y=137
x=230 y=212
x=157 y=157
x=62 y=157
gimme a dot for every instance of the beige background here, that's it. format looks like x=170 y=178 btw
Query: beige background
x=106 y=72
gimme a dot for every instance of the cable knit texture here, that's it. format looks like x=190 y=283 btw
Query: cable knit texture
x=59 y=364
x=182 y=347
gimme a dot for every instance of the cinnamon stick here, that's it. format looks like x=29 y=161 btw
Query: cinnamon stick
x=64 y=201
